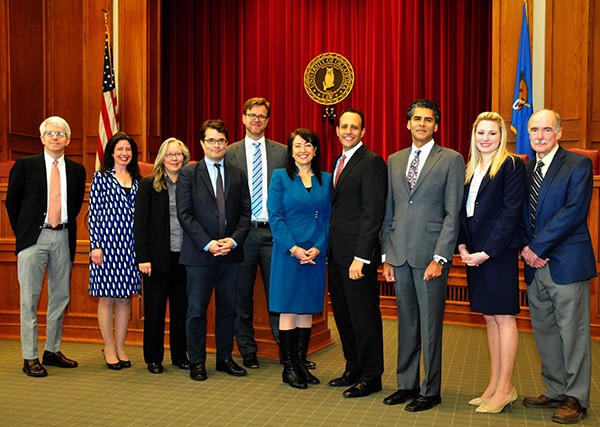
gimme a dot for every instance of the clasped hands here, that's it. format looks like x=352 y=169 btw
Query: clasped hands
x=531 y=259
x=303 y=255
x=474 y=259
x=221 y=247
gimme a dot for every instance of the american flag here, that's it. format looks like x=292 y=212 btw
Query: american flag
x=109 y=116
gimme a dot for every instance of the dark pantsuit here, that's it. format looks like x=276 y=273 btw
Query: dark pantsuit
x=201 y=279
x=356 y=312
x=257 y=251
x=426 y=318
x=158 y=288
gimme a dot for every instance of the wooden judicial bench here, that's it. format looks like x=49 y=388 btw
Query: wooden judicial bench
x=81 y=325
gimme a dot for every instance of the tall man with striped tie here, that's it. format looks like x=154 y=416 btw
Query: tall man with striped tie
x=257 y=157
x=44 y=196
x=559 y=263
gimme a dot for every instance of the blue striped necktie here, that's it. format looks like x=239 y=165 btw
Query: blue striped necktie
x=256 y=181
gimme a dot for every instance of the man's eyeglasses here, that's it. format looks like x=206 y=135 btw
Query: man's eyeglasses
x=173 y=155
x=52 y=134
x=212 y=141
x=253 y=116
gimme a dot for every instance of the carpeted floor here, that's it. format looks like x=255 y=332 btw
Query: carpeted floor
x=93 y=395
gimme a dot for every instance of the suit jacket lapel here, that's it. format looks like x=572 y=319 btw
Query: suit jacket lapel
x=403 y=158
x=350 y=165
x=240 y=157
x=270 y=160
x=40 y=174
x=202 y=171
x=559 y=159
x=434 y=156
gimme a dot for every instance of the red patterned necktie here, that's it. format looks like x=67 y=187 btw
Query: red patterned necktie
x=339 y=169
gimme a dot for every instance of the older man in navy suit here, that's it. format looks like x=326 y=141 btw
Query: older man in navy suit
x=44 y=197
x=213 y=207
x=559 y=263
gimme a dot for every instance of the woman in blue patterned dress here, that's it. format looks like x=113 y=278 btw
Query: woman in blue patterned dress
x=114 y=274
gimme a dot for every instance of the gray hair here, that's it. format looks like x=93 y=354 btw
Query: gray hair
x=58 y=122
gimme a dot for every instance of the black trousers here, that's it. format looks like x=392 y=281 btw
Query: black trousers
x=357 y=316
x=158 y=289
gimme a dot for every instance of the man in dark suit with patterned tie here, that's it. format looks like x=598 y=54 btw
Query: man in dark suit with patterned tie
x=559 y=263
x=213 y=207
x=44 y=197
x=257 y=157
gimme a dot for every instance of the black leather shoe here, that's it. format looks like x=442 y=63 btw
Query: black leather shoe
x=362 y=389
x=155 y=368
x=309 y=364
x=125 y=363
x=198 y=371
x=229 y=366
x=400 y=396
x=346 y=380
x=250 y=361
x=423 y=403
x=33 y=368
x=58 y=359
x=182 y=364
x=114 y=366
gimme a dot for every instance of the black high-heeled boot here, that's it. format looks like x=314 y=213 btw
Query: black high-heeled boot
x=287 y=341
x=302 y=341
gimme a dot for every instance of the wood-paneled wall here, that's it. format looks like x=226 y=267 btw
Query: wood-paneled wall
x=51 y=59
x=572 y=65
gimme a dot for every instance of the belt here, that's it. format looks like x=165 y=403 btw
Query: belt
x=57 y=228
x=259 y=224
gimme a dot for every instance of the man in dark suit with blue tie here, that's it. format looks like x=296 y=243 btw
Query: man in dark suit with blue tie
x=213 y=207
x=559 y=263
x=44 y=220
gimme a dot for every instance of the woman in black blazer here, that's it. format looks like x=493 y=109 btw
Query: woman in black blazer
x=158 y=238
x=488 y=244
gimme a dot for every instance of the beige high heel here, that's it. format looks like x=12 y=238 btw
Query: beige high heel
x=479 y=400
x=510 y=399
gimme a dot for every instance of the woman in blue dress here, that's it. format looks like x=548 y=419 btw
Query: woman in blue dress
x=299 y=209
x=114 y=274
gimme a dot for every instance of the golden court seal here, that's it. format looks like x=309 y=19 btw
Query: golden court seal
x=328 y=78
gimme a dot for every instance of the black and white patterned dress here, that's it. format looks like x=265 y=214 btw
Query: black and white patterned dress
x=111 y=213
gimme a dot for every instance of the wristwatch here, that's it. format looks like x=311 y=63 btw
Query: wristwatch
x=439 y=260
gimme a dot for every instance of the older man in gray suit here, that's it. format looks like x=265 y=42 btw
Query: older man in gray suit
x=425 y=193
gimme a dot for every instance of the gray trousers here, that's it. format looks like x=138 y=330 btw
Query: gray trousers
x=421 y=308
x=51 y=251
x=560 y=316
